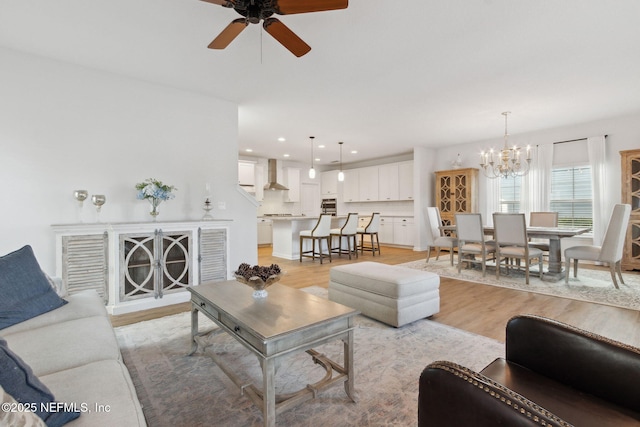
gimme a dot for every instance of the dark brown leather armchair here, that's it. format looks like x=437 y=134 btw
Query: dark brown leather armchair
x=553 y=375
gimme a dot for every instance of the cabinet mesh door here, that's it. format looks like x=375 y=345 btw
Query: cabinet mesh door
x=84 y=264
x=213 y=254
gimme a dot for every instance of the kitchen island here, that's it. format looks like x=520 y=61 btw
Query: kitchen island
x=286 y=234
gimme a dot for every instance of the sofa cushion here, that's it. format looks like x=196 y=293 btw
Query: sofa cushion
x=25 y=291
x=66 y=345
x=12 y=416
x=17 y=379
x=574 y=406
x=102 y=388
x=80 y=305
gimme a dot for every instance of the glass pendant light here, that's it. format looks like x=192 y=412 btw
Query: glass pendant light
x=312 y=171
x=340 y=174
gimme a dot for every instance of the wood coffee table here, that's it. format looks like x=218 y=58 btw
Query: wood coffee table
x=286 y=321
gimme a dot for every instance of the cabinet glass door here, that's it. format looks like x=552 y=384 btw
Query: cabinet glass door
x=152 y=264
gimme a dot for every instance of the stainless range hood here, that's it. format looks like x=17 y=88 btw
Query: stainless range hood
x=273 y=177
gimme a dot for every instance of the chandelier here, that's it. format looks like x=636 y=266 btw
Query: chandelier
x=507 y=162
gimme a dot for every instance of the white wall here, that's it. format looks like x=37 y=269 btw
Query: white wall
x=64 y=127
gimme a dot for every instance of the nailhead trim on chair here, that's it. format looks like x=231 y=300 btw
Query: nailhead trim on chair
x=505 y=395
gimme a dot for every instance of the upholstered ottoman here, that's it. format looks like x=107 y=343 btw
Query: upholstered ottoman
x=391 y=294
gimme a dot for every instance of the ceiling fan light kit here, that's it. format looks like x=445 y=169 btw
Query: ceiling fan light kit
x=255 y=11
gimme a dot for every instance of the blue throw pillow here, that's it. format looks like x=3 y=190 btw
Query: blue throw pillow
x=25 y=291
x=17 y=379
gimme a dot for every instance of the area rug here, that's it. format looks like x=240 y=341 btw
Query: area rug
x=590 y=285
x=180 y=390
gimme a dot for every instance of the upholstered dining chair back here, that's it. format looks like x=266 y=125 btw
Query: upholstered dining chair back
x=543 y=219
x=350 y=227
x=469 y=227
x=323 y=226
x=374 y=224
x=433 y=225
x=613 y=242
x=510 y=229
x=611 y=249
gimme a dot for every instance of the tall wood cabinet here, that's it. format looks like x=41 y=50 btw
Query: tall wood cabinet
x=631 y=194
x=137 y=266
x=456 y=192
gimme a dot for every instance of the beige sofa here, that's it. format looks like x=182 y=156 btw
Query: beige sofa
x=74 y=352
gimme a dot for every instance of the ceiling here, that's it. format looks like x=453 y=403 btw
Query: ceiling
x=382 y=76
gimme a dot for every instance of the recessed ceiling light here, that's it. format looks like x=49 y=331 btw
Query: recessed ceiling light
x=285 y=155
x=354 y=151
x=317 y=159
x=321 y=146
x=281 y=139
x=249 y=150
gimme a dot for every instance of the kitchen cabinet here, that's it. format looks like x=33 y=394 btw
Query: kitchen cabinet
x=265 y=231
x=388 y=182
x=350 y=186
x=403 y=231
x=384 y=183
x=405 y=180
x=292 y=182
x=368 y=184
x=246 y=173
x=385 y=232
x=329 y=184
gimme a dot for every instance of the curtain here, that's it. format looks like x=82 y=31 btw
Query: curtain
x=536 y=185
x=492 y=200
x=601 y=207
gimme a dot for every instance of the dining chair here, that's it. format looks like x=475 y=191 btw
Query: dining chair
x=611 y=249
x=371 y=230
x=542 y=219
x=435 y=236
x=322 y=231
x=471 y=241
x=510 y=234
x=348 y=231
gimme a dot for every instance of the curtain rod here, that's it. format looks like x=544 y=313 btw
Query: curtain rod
x=573 y=140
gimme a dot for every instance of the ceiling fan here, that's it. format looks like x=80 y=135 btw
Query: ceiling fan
x=255 y=11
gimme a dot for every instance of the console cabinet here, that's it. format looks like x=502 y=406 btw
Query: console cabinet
x=137 y=266
x=631 y=194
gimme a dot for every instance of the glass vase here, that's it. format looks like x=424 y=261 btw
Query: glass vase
x=154 y=207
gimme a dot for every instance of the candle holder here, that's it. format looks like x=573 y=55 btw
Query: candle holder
x=98 y=200
x=208 y=206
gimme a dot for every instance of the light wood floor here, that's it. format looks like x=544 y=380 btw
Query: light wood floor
x=481 y=309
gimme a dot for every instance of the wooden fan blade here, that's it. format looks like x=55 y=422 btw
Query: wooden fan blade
x=228 y=34
x=225 y=3
x=289 y=7
x=286 y=37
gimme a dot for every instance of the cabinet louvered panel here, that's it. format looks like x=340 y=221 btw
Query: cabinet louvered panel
x=213 y=254
x=85 y=263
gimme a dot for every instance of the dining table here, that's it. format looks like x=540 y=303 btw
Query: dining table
x=555 y=272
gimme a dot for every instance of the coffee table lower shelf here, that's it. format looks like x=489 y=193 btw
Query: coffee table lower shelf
x=335 y=373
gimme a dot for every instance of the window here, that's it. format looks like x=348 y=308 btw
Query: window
x=571 y=196
x=510 y=194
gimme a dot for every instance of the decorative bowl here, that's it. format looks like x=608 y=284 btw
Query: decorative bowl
x=259 y=278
